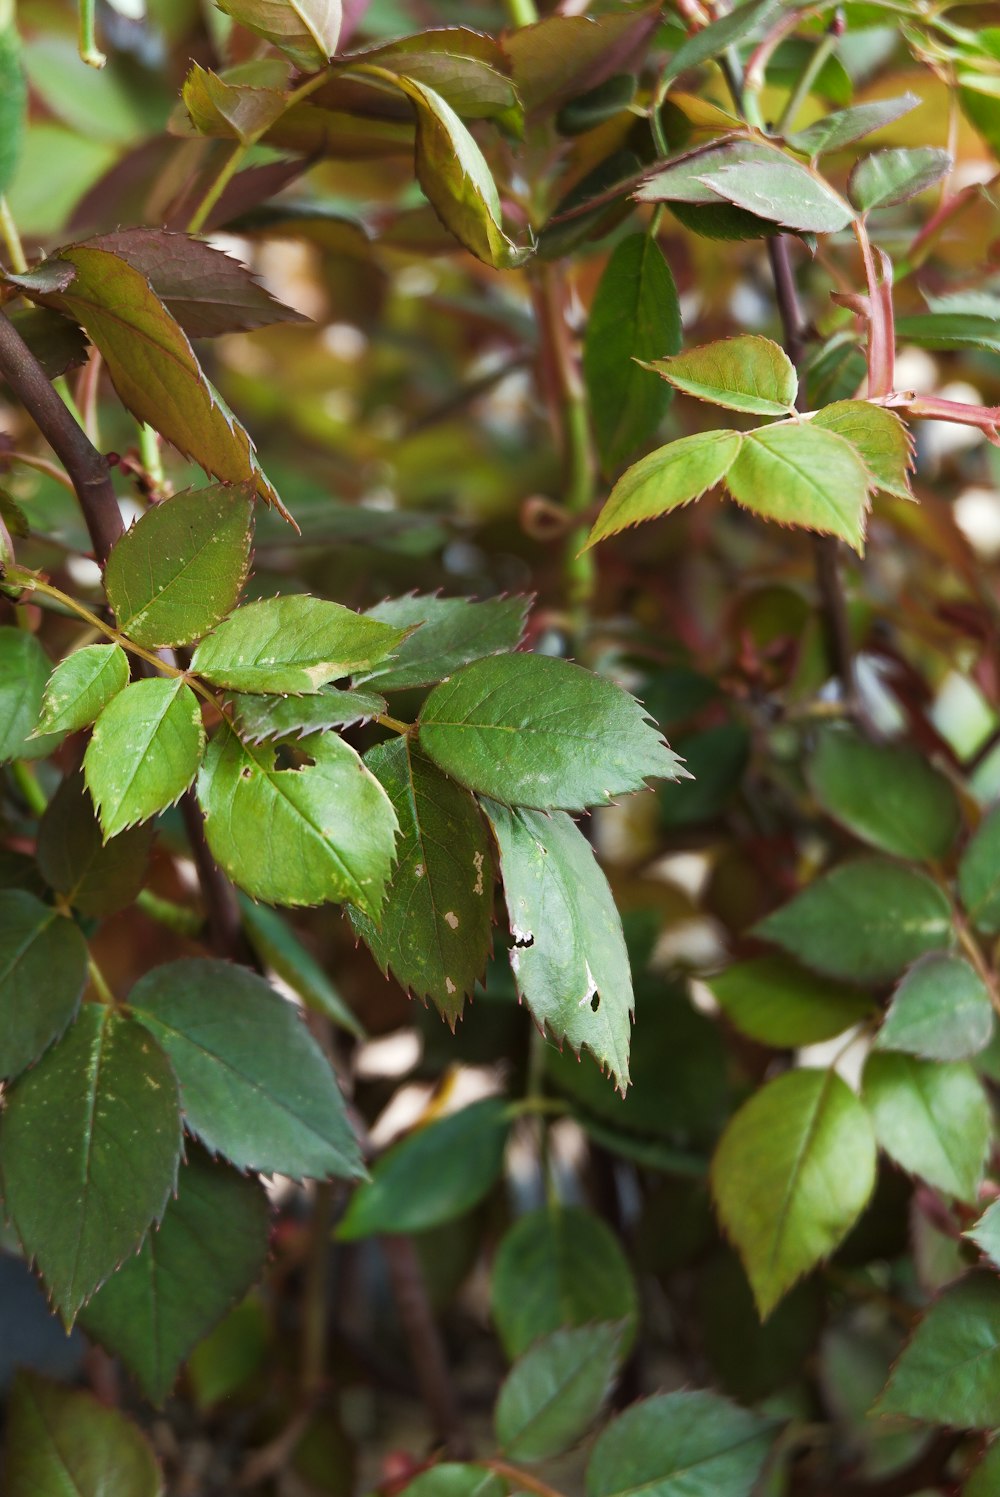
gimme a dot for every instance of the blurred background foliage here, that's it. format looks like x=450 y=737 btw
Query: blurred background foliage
x=408 y=432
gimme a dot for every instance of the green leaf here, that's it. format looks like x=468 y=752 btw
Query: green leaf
x=81 y=686
x=232 y=111
x=453 y=1480
x=569 y=957
x=181 y=568
x=791 y=1175
x=331 y=826
x=886 y=794
x=949 y=1372
x=750 y=1360
x=96 y=877
x=680 y=1445
x=940 y=1011
x=778 y=1003
x=888 y=177
x=782 y=192
x=260 y=717
x=979 y=875
x=435 y=933
x=635 y=316
x=307 y=31
x=61 y=1442
x=986 y=1233
x=984 y=1480
x=748 y=373
x=437 y=1172
x=90 y=1139
x=43 y=972
x=13 y=102
x=151 y=362
x=667 y=479
x=562 y=56
x=556 y=1267
x=451 y=632
x=255 y=1086
x=865 y=921
x=878 y=436
x=208 y=292
x=530 y=730
x=931 y=1118
x=467 y=68
x=712 y=40
x=57 y=343
x=950 y=330
x=553 y=1394
x=454 y=175
x=292 y=644
x=144 y=751
x=24 y=670
x=681 y=178
x=279 y=948
x=847 y=125
x=798 y=474
x=206 y=1253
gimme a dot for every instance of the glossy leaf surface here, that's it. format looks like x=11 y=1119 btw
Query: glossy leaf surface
x=144 y=751
x=81 y=686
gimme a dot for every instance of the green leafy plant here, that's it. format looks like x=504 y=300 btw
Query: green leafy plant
x=353 y=1000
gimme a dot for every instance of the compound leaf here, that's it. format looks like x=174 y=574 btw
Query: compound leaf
x=880 y=439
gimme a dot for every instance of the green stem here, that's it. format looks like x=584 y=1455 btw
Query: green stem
x=12 y=239
x=89 y=50
x=810 y=73
x=27 y=782
x=522 y=12
x=100 y=983
x=62 y=389
x=218 y=187
x=394 y=723
x=521 y=1481
x=152 y=458
x=175 y=917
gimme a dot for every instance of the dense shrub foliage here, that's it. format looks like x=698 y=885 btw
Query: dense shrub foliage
x=500 y=709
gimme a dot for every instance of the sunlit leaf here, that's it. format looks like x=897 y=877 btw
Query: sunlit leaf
x=845 y=126
x=798 y=474
x=748 y=373
x=783 y=193
x=667 y=479
x=144 y=751
x=888 y=177
x=530 y=730
x=791 y=1175
x=878 y=436
x=292 y=644
x=81 y=686
x=331 y=826
x=307 y=31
